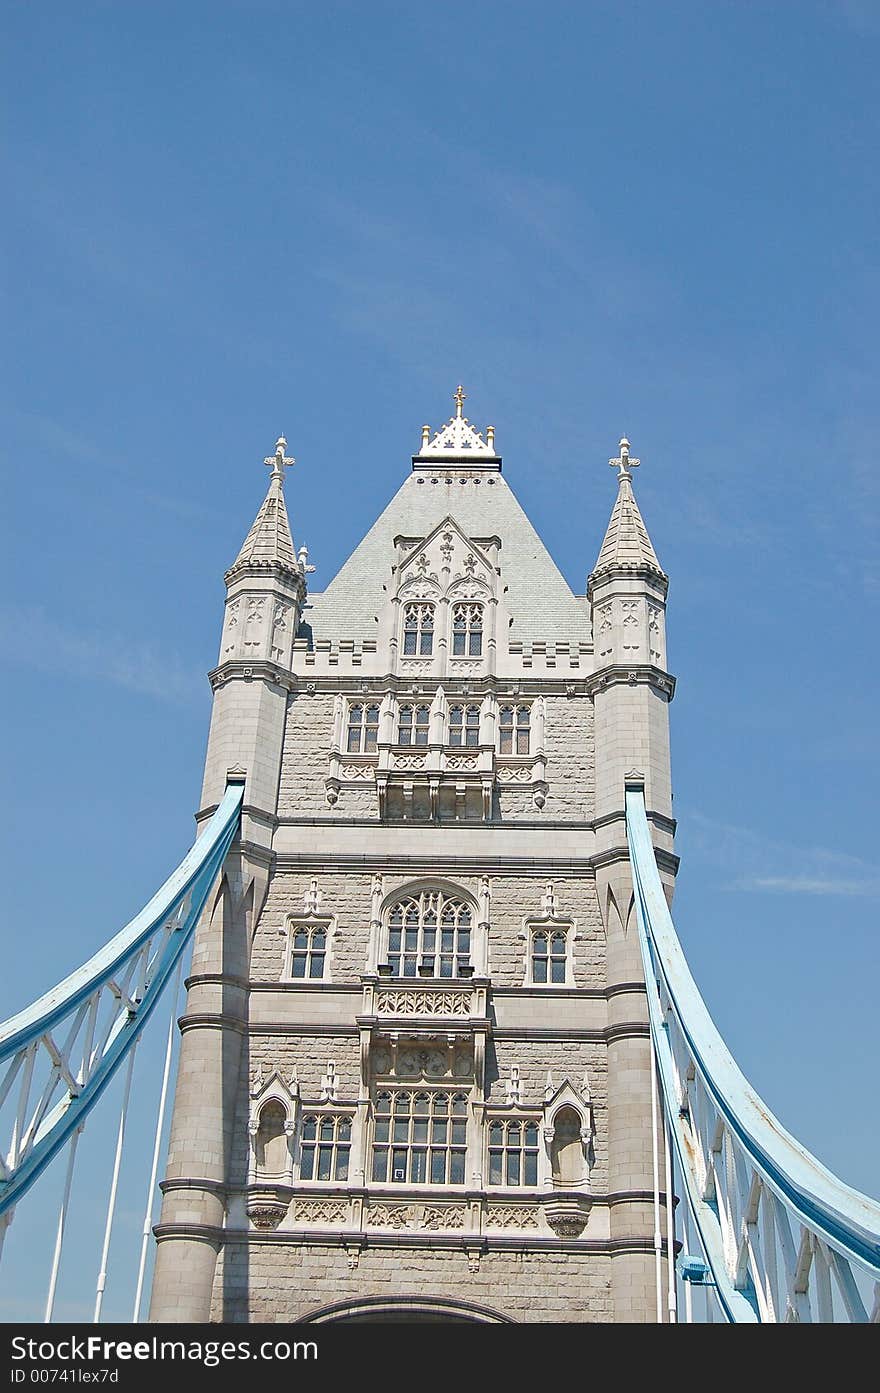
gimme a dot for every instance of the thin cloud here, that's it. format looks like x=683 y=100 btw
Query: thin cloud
x=31 y=638
x=757 y=863
x=804 y=885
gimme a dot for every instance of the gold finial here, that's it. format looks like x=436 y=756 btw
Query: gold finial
x=459 y=398
x=279 y=461
x=624 y=463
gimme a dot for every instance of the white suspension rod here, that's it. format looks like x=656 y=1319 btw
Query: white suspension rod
x=148 y=1213
x=658 y=1259
x=670 y=1225
x=111 y=1207
x=5 y=1221
x=62 y=1224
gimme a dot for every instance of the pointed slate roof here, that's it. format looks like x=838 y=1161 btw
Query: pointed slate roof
x=626 y=541
x=269 y=540
x=539 y=599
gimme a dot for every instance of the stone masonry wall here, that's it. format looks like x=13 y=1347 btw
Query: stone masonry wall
x=275 y=1281
x=347 y=896
x=568 y=743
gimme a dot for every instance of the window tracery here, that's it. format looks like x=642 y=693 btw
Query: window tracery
x=429 y=934
x=418 y=630
x=464 y=726
x=419 y=1138
x=514 y=729
x=467 y=630
x=412 y=724
x=325 y=1146
x=513 y=1152
x=363 y=728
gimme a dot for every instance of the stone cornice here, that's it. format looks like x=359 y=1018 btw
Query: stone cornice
x=603 y=1035
x=259 y=670
x=283 y=571
x=633 y=676
x=621 y=570
x=401 y=684
x=369 y=1238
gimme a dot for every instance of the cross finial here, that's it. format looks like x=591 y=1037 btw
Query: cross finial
x=624 y=462
x=279 y=461
x=459 y=398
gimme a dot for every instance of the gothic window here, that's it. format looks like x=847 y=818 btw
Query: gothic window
x=514 y=730
x=419 y=1138
x=513 y=1153
x=429 y=935
x=464 y=725
x=418 y=630
x=272 y=1150
x=308 y=950
x=467 y=631
x=412 y=725
x=363 y=728
x=325 y=1147
x=549 y=953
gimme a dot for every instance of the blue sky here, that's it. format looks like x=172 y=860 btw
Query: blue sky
x=228 y=220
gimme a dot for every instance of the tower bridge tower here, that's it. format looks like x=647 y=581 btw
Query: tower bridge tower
x=415 y=1071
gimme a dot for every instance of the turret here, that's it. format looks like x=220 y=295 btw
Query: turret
x=265 y=590
x=627 y=593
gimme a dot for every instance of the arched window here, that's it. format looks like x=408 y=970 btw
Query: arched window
x=566 y=1149
x=548 y=956
x=513 y=1153
x=308 y=950
x=419 y=1138
x=272 y=1150
x=467 y=631
x=513 y=728
x=363 y=728
x=412 y=725
x=418 y=630
x=464 y=725
x=326 y=1145
x=429 y=935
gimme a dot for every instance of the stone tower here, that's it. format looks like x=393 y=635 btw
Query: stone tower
x=415 y=1072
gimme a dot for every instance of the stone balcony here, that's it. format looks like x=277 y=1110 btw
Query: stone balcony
x=426 y=1028
x=429 y=783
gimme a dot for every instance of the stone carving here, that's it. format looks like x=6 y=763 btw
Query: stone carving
x=266 y=1216
x=423 y=1003
x=357 y=773
x=513 y=774
x=389 y=1216
x=463 y=1064
x=630 y=612
x=321 y=1211
x=409 y=761
x=419 y=587
x=512 y=1216
x=382 y=1060
x=279 y=624
x=461 y=762
x=568 y=1215
x=231 y=625
x=442 y=1216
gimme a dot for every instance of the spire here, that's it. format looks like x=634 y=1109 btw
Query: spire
x=269 y=541
x=626 y=543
